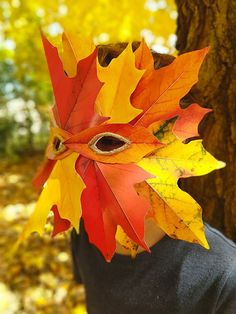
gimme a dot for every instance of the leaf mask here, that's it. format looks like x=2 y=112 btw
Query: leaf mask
x=116 y=150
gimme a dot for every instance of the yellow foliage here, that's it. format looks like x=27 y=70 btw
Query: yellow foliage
x=103 y=20
x=120 y=78
x=60 y=189
x=175 y=211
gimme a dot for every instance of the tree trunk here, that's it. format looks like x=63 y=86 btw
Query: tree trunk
x=212 y=23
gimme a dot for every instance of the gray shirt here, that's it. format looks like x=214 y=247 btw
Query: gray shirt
x=176 y=278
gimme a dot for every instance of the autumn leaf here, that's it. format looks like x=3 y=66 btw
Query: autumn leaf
x=161 y=93
x=126 y=242
x=176 y=212
x=75 y=48
x=143 y=58
x=75 y=100
x=120 y=78
x=75 y=103
x=59 y=224
x=105 y=203
x=50 y=196
x=137 y=143
x=186 y=125
x=60 y=190
x=43 y=173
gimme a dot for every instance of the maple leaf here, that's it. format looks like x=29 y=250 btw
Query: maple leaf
x=176 y=212
x=75 y=101
x=60 y=190
x=120 y=78
x=105 y=203
x=75 y=48
x=143 y=59
x=160 y=92
x=43 y=173
x=186 y=125
x=123 y=239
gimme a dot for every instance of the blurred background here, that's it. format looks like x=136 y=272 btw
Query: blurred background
x=39 y=278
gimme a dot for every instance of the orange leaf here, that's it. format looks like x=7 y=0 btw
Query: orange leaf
x=161 y=93
x=143 y=57
x=186 y=126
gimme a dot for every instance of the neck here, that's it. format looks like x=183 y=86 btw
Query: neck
x=153 y=234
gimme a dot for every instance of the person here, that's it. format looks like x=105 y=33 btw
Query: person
x=177 y=277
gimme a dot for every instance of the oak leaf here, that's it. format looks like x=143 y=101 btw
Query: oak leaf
x=120 y=78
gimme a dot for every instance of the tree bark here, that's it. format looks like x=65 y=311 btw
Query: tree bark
x=212 y=23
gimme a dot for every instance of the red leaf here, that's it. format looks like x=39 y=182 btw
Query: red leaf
x=43 y=173
x=60 y=224
x=74 y=109
x=186 y=126
x=110 y=199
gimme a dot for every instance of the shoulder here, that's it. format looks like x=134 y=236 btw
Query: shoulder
x=209 y=276
x=219 y=260
x=222 y=250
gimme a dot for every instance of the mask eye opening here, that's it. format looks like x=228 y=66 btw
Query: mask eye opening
x=58 y=146
x=108 y=143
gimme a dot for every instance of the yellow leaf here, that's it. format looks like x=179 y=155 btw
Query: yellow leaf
x=120 y=78
x=49 y=196
x=71 y=186
x=176 y=212
x=75 y=48
x=126 y=242
x=169 y=221
x=63 y=188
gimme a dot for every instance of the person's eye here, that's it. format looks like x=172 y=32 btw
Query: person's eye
x=108 y=143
